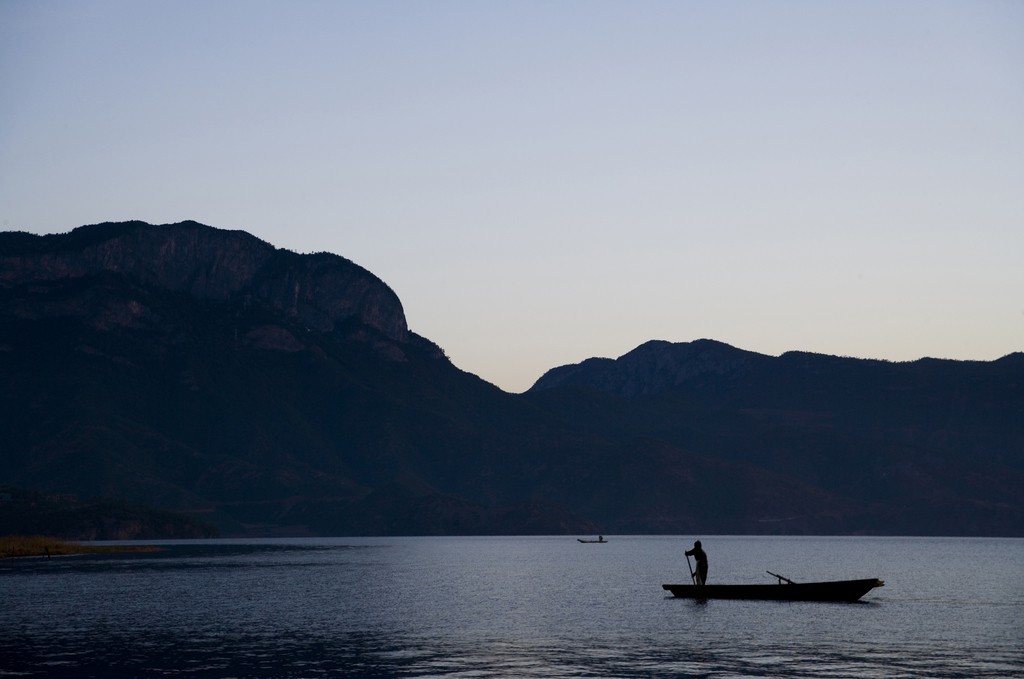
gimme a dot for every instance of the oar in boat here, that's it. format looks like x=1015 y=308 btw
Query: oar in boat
x=781 y=578
x=693 y=577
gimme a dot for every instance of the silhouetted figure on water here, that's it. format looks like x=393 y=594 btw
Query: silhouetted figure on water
x=702 y=562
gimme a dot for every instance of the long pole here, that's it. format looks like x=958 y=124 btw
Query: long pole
x=693 y=578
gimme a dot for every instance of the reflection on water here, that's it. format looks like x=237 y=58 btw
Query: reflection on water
x=513 y=607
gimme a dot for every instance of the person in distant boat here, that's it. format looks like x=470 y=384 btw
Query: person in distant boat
x=702 y=562
x=600 y=538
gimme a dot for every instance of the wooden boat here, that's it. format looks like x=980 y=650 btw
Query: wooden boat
x=838 y=590
x=601 y=541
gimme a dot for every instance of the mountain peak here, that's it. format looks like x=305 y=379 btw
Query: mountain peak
x=320 y=291
x=653 y=367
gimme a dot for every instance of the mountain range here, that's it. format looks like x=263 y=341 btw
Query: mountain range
x=273 y=393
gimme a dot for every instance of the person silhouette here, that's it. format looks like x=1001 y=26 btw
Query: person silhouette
x=702 y=562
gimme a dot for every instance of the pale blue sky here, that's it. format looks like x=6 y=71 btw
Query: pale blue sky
x=542 y=182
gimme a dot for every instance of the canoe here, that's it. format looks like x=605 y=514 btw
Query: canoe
x=839 y=590
x=593 y=541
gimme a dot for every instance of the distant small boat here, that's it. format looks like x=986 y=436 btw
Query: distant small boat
x=838 y=590
x=599 y=540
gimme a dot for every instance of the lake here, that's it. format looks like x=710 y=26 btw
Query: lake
x=512 y=607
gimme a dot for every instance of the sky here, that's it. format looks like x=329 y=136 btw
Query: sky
x=543 y=182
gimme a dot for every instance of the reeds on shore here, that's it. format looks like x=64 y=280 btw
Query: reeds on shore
x=41 y=545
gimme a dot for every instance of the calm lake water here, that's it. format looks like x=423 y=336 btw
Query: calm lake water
x=512 y=607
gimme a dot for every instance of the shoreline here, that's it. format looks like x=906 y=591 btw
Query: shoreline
x=16 y=546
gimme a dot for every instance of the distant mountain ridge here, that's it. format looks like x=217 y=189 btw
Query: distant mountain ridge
x=271 y=393
x=658 y=366
x=975 y=408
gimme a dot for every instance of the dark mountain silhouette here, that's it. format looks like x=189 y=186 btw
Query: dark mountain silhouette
x=966 y=409
x=273 y=393
x=657 y=366
x=925 y=446
x=30 y=512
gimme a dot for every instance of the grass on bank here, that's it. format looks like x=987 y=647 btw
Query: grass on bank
x=41 y=545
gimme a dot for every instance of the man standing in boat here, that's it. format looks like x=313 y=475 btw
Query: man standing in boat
x=702 y=562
